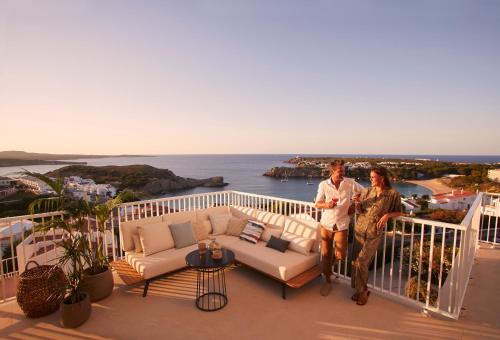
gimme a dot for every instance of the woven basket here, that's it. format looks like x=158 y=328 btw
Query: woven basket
x=40 y=290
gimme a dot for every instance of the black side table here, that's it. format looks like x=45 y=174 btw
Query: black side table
x=210 y=279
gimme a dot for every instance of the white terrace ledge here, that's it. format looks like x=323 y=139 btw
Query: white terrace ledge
x=256 y=311
x=255 y=308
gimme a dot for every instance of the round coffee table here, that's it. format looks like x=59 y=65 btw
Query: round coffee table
x=210 y=279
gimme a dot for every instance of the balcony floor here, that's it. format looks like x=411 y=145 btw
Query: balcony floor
x=256 y=311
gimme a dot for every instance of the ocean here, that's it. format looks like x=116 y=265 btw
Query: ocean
x=242 y=172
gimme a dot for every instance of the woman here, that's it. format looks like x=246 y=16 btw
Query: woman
x=376 y=205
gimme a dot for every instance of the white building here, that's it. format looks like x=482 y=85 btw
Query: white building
x=410 y=205
x=35 y=185
x=494 y=175
x=454 y=200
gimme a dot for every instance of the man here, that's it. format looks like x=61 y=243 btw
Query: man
x=334 y=196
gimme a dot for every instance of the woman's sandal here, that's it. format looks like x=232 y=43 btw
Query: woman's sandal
x=355 y=296
x=363 y=298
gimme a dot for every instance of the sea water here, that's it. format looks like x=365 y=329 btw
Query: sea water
x=242 y=172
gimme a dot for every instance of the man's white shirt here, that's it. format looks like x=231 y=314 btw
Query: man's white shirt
x=339 y=214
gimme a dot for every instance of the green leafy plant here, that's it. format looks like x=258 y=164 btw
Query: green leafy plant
x=413 y=289
x=46 y=204
x=74 y=244
x=414 y=257
x=95 y=256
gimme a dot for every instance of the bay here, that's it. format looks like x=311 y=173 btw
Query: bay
x=242 y=172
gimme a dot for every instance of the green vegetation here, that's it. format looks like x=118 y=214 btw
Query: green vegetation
x=131 y=176
x=16 y=204
x=406 y=169
x=476 y=180
x=448 y=216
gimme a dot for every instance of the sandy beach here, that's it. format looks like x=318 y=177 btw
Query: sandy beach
x=436 y=185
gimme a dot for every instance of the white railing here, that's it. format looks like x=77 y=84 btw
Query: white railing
x=20 y=243
x=421 y=262
x=489 y=229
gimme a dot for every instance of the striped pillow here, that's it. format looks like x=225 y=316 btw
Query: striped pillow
x=252 y=231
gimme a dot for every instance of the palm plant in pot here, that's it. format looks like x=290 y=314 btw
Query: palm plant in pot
x=98 y=279
x=75 y=307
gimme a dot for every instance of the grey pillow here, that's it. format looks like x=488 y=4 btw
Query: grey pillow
x=278 y=244
x=183 y=234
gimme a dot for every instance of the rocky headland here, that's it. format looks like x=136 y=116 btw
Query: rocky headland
x=309 y=171
x=142 y=178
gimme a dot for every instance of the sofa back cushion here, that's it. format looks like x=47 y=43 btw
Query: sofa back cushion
x=127 y=229
x=180 y=217
x=219 y=223
x=201 y=230
x=235 y=226
x=202 y=214
x=271 y=231
x=299 y=244
x=243 y=212
x=302 y=228
x=155 y=237
x=269 y=218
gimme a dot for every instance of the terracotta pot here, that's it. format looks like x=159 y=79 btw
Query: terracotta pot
x=75 y=314
x=99 y=285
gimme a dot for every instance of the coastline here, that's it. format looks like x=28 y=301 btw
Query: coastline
x=436 y=185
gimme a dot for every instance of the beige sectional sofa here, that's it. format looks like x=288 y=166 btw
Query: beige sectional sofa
x=292 y=268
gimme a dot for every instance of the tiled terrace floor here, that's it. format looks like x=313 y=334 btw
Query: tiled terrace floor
x=256 y=311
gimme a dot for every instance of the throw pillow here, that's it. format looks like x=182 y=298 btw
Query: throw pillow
x=271 y=231
x=278 y=244
x=183 y=234
x=219 y=223
x=155 y=238
x=299 y=244
x=235 y=226
x=137 y=242
x=252 y=231
x=200 y=230
x=207 y=225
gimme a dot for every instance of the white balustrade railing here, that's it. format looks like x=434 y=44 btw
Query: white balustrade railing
x=19 y=242
x=421 y=262
x=489 y=229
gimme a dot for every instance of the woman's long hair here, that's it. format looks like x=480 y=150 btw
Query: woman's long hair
x=385 y=175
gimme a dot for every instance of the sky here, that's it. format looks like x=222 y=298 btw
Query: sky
x=196 y=77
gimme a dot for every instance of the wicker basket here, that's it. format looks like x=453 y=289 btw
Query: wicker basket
x=40 y=290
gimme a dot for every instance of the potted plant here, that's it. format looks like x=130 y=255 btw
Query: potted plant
x=75 y=307
x=98 y=279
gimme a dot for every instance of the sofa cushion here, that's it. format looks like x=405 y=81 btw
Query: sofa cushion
x=180 y=217
x=243 y=212
x=155 y=237
x=202 y=214
x=270 y=219
x=160 y=263
x=130 y=227
x=226 y=240
x=306 y=228
x=271 y=231
x=282 y=266
x=137 y=243
x=278 y=244
x=235 y=226
x=219 y=223
x=183 y=234
x=200 y=230
x=252 y=231
x=299 y=244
